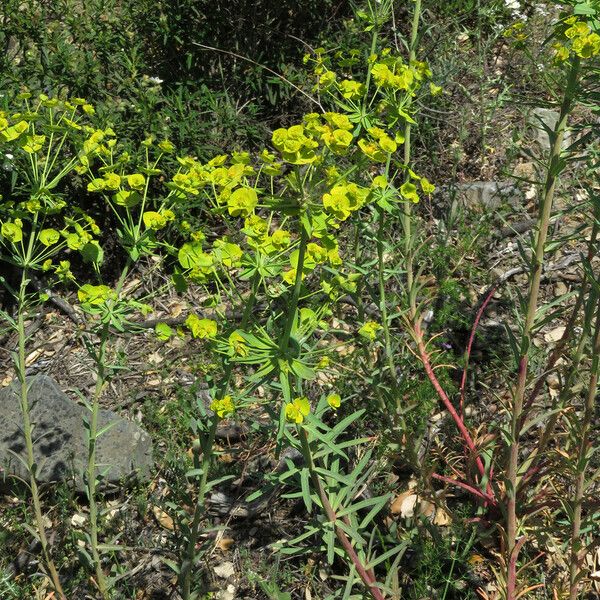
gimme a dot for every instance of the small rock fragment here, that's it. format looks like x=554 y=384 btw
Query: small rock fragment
x=225 y=570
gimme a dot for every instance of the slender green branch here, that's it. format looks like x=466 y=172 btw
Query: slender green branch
x=91 y=467
x=552 y=173
x=28 y=435
x=91 y=483
x=293 y=305
x=383 y=301
x=583 y=434
x=185 y=573
x=407 y=212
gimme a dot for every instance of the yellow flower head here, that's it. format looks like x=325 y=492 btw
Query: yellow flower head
x=201 y=328
x=297 y=409
x=12 y=232
x=334 y=400
x=316 y=253
x=242 y=202
x=351 y=89
x=369 y=330
x=95 y=295
x=136 y=181
x=281 y=239
x=337 y=140
x=223 y=407
x=295 y=146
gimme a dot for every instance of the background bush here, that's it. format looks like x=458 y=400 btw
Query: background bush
x=139 y=63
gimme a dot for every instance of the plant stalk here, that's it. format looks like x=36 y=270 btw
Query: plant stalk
x=289 y=324
x=185 y=573
x=383 y=304
x=367 y=576
x=407 y=212
x=552 y=173
x=582 y=462
x=28 y=435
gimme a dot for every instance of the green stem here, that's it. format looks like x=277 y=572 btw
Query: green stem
x=407 y=212
x=552 y=172
x=581 y=462
x=28 y=435
x=370 y=366
x=293 y=305
x=185 y=573
x=383 y=303
x=366 y=575
x=101 y=580
x=91 y=466
x=528 y=465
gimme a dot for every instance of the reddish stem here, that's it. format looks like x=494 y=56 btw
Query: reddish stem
x=466 y=486
x=444 y=398
x=478 y=316
x=511 y=583
x=367 y=575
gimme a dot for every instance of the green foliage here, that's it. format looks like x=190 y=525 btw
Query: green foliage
x=142 y=65
x=277 y=243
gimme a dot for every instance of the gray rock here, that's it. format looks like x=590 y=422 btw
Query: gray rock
x=60 y=437
x=488 y=194
x=538 y=120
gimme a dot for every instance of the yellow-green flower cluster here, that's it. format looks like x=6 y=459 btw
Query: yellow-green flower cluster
x=95 y=295
x=344 y=199
x=294 y=145
x=78 y=237
x=516 y=32
x=221 y=178
x=334 y=401
x=369 y=330
x=64 y=113
x=257 y=235
x=201 y=328
x=326 y=251
x=297 y=410
x=242 y=202
x=126 y=190
x=158 y=220
x=270 y=164
x=331 y=128
x=99 y=142
x=8 y=132
x=12 y=231
x=223 y=407
x=393 y=74
x=351 y=89
x=379 y=144
x=227 y=253
x=578 y=39
x=200 y=264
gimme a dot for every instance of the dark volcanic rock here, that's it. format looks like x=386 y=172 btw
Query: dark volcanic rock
x=60 y=437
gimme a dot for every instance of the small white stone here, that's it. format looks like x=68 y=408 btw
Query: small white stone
x=78 y=520
x=228 y=594
x=224 y=570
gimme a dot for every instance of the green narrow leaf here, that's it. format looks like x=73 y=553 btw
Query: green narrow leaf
x=386 y=555
x=305 y=484
x=329 y=539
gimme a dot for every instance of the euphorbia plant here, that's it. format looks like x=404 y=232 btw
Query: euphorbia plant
x=575 y=46
x=284 y=214
x=140 y=214
x=37 y=225
x=50 y=140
